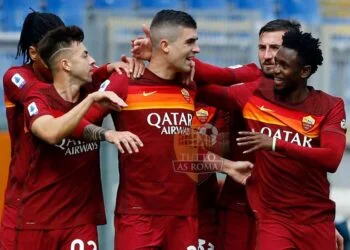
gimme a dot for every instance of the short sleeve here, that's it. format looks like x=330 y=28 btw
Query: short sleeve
x=335 y=121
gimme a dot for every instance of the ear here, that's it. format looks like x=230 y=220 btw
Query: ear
x=33 y=53
x=164 y=45
x=305 y=72
x=65 y=64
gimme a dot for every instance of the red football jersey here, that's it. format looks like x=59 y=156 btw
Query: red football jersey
x=153 y=181
x=62 y=184
x=18 y=82
x=233 y=194
x=286 y=186
x=215 y=124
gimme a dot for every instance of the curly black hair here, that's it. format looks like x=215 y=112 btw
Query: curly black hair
x=35 y=26
x=307 y=47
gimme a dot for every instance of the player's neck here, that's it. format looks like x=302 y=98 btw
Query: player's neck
x=68 y=89
x=296 y=96
x=161 y=69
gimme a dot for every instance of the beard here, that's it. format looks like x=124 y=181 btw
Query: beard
x=285 y=91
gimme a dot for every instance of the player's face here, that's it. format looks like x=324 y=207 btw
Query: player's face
x=183 y=50
x=82 y=63
x=269 y=43
x=287 y=71
x=39 y=67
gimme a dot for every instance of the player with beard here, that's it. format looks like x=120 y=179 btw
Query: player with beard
x=157 y=202
x=300 y=136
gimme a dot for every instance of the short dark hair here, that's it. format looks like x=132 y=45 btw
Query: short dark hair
x=173 y=18
x=280 y=25
x=59 y=38
x=307 y=47
x=35 y=26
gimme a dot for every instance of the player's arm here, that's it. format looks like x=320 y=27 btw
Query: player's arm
x=52 y=129
x=327 y=156
x=88 y=131
x=239 y=171
x=226 y=98
x=208 y=73
x=123 y=140
x=132 y=67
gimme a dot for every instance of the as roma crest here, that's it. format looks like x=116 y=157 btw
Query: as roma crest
x=186 y=94
x=308 y=122
x=202 y=115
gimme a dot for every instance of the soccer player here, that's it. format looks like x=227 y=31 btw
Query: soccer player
x=157 y=199
x=214 y=123
x=298 y=136
x=270 y=39
x=60 y=203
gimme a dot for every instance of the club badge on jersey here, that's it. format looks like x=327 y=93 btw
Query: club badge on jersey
x=18 y=80
x=308 y=122
x=33 y=109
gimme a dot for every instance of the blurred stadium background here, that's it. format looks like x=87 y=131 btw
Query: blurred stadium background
x=228 y=36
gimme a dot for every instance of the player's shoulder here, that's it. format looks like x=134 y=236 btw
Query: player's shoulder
x=17 y=75
x=326 y=99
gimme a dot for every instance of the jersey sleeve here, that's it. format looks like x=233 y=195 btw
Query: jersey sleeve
x=226 y=98
x=100 y=74
x=35 y=106
x=116 y=83
x=16 y=85
x=207 y=73
x=336 y=119
x=332 y=146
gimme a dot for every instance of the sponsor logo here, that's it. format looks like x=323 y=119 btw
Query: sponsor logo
x=343 y=124
x=186 y=94
x=262 y=108
x=308 y=122
x=33 y=109
x=104 y=85
x=202 y=115
x=288 y=136
x=76 y=147
x=171 y=123
x=18 y=80
x=148 y=93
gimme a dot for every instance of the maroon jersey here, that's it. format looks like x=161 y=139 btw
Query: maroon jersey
x=62 y=183
x=216 y=124
x=158 y=111
x=290 y=184
x=18 y=83
x=233 y=194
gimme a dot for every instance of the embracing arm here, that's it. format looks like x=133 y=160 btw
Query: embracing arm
x=53 y=129
x=208 y=73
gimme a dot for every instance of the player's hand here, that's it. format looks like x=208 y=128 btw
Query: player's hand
x=239 y=171
x=141 y=47
x=187 y=78
x=136 y=66
x=339 y=240
x=124 y=139
x=108 y=99
x=254 y=141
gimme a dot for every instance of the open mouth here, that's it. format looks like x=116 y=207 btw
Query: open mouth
x=278 y=81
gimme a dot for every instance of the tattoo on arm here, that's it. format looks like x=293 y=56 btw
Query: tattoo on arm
x=94 y=133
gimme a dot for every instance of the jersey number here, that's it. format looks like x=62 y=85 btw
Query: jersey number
x=80 y=244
